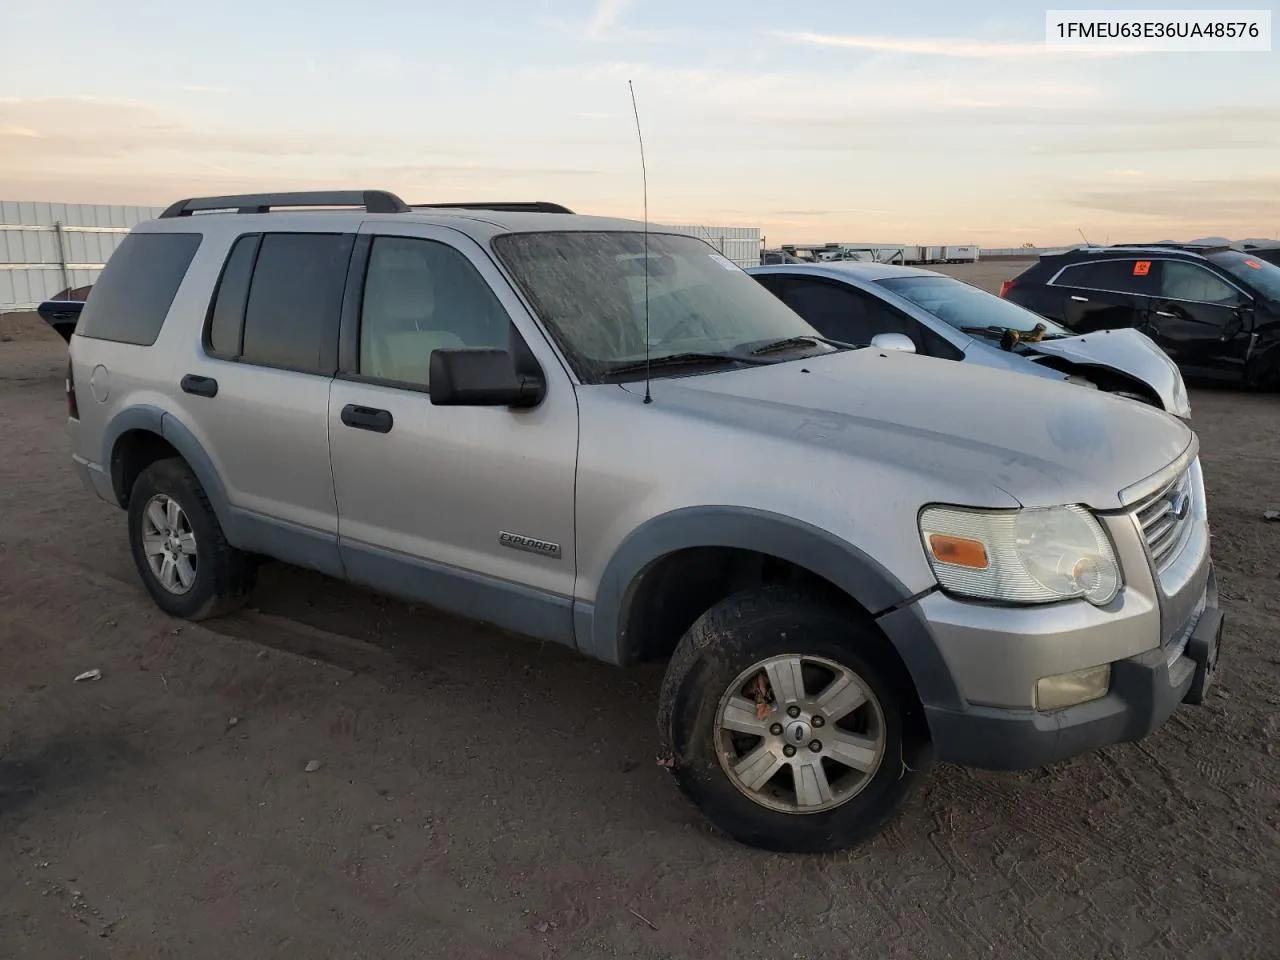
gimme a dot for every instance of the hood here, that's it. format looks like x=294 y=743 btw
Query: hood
x=978 y=430
x=1128 y=352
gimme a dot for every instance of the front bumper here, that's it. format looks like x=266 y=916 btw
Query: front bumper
x=1145 y=690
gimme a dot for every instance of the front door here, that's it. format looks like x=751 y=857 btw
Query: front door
x=469 y=509
x=1200 y=320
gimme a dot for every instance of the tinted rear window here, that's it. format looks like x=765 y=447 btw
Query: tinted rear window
x=129 y=302
x=295 y=299
x=1131 y=275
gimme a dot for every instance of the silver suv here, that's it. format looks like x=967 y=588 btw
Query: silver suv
x=854 y=560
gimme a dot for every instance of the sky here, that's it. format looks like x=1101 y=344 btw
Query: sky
x=934 y=121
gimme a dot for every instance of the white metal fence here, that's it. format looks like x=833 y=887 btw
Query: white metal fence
x=48 y=248
x=739 y=244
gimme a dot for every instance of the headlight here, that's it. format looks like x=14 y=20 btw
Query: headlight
x=1181 y=402
x=1021 y=556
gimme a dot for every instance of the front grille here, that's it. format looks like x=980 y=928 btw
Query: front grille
x=1162 y=528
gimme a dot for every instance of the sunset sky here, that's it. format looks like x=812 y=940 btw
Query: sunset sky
x=928 y=122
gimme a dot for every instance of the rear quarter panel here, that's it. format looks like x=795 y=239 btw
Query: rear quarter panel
x=113 y=378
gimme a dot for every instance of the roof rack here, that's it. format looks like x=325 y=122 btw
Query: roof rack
x=513 y=206
x=373 y=201
x=1171 y=245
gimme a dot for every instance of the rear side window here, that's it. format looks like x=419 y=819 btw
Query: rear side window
x=279 y=300
x=132 y=297
x=226 y=319
x=1134 y=276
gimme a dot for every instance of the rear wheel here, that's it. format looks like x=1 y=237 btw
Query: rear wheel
x=178 y=546
x=789 y=724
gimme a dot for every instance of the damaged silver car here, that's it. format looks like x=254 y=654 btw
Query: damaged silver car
x=920 y=311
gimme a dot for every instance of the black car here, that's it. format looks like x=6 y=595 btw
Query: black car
x=1214 y=310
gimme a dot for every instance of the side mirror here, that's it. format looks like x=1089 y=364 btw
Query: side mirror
x=893 y=341
x=481 y=377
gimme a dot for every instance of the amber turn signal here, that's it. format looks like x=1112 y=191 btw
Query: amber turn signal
x=959 y=551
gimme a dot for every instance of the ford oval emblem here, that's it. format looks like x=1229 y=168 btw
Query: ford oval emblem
x=1179 y=505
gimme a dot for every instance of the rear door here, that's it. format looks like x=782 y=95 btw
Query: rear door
x=1106 y=294
x=1201 y=320
x=255 y=392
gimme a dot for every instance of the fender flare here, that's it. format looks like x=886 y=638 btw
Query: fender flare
x=841 y=563
x=163 y=424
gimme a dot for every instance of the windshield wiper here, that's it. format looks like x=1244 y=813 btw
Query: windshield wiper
x=788 y=343
x=685 y=359
x=1024 y=336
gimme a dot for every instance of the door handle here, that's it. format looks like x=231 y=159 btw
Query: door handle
x=1078 y=299
x=1165 y=313
x=200 y=386
x=367 y=418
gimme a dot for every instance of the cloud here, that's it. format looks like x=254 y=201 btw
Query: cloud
x=606 y=17
x=945 y=47
x=1167 y=132
x=1203 y=207
x=606 y=25
x=201 y=88
x=724 y=97
x=128 y=151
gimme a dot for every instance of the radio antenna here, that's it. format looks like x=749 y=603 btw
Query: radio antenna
x=644 y=179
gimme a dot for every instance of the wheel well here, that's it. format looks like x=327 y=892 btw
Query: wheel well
x=134 y=451
x=672 y=592
x=1108 y=381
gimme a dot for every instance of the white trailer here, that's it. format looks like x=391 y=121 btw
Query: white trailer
x=964 y=253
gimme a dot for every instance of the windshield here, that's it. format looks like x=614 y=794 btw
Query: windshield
x=1264 y=277
x=588 y=288
x=968 y=308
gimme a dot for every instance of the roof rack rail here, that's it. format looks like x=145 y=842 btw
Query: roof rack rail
x=1171 y=245
x=513 y=206
x=373 y=201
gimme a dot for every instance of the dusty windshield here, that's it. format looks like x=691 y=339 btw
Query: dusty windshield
x=968 y=308
x=588 y=288
x=1256 y=272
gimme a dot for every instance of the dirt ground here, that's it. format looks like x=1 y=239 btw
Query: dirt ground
x=480 y=796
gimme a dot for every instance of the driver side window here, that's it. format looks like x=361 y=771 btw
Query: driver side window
x=1189 y=282
x=838 y=312
x=842 y=313
x=420 y=296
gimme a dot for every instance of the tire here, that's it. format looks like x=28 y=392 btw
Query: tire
x=221 y=577
x=721 y=648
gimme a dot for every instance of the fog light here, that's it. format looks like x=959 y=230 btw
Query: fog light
x=1068 y=689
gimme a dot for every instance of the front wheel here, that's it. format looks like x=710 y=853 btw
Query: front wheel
x=789 y=724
